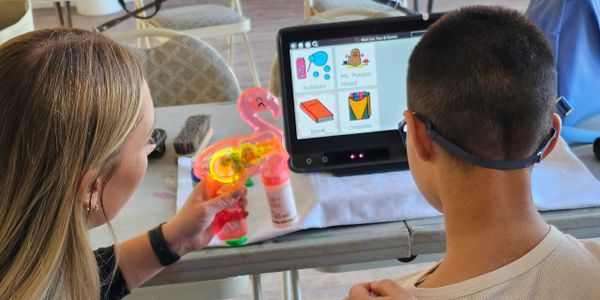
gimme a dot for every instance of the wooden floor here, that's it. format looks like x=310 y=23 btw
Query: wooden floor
x=267 y=17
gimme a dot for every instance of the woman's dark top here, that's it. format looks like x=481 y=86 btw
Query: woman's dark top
x=110 y=287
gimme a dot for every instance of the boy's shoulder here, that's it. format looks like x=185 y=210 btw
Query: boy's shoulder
x=592 y=246
x=559 y=267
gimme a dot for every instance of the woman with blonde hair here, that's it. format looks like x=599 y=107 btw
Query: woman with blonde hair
x=76 y=118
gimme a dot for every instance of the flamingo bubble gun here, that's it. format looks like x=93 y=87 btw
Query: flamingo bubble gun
x=225 y=166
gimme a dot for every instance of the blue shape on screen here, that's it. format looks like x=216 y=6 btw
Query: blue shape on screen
x=318 y=58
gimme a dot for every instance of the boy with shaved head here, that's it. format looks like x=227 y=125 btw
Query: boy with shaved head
x=481 y=96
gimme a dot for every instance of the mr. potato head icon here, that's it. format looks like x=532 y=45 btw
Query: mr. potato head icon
x=355 y=59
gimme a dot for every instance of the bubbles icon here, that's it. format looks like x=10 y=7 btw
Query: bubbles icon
x=318 y=58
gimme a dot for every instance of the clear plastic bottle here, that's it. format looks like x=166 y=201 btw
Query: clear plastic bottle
x=276 y=180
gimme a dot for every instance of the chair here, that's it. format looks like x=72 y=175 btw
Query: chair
x=182 y=69
x=205 y=21
x=316 y=7
x=15 y=18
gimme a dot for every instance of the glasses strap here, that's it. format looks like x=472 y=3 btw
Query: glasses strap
x=492 y=164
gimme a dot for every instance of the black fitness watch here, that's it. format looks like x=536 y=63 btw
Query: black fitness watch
x=161 y=248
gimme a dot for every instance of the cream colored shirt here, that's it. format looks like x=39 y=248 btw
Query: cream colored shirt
x=559 y=267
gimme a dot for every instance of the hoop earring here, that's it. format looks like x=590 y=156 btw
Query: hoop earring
x=95 y=209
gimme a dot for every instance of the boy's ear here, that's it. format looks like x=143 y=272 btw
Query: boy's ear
x=417 y=137
x=557 y=125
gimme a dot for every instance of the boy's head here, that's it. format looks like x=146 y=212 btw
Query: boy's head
x=485 y=79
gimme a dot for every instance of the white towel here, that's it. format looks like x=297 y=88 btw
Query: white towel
x=560 y=182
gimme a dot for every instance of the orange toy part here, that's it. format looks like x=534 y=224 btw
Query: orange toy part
x=225 y=166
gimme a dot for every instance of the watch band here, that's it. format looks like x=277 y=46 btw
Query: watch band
x=161 y=248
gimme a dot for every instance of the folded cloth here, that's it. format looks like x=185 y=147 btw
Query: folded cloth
x=323 y=200
x=560 y=182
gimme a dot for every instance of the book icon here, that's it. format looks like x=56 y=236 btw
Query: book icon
x=316 y=111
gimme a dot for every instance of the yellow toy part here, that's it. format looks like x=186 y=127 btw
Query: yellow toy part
x=229 y=165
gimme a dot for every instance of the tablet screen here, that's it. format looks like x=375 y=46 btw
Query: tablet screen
x=350 y=85
x=344 y=91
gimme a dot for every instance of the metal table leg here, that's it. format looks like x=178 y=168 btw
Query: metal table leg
x=256 y=287
x=291 y=285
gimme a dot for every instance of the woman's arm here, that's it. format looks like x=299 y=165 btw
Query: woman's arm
x=189 y=230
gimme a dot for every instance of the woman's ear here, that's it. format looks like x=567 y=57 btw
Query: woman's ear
x=557 y=125
x=90 y=185
x=417 y=137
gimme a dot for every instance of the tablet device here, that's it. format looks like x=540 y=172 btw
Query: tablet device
x=343 y=88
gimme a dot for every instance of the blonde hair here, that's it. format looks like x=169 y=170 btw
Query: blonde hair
x=68 y=100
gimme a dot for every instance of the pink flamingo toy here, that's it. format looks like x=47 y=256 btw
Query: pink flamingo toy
x=225 y=166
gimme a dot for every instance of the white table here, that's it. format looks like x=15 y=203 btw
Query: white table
x=154 y=202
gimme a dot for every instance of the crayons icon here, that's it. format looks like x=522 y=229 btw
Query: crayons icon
x=360 y=105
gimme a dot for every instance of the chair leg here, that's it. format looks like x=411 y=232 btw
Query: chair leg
x=59 y=14
x=237 y=5
x=148 y=42
x=139 y=24
x=291 y=285
x=69 y=19
x=308 y=9
x=255 y=79
x=256 y=287
x=429 y=6
x=230 y=50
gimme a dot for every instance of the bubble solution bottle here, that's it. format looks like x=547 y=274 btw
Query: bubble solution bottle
x=276 y=180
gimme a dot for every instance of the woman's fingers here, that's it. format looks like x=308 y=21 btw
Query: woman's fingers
x=215 y=205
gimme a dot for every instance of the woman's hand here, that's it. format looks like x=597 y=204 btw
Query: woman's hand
x=191 y=228
x=383 y=289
